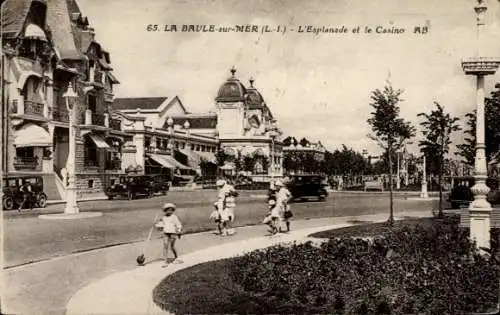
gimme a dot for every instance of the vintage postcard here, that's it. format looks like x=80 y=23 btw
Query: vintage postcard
x=161 y=157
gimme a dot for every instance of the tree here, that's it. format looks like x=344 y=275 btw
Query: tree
x=221 y=157
x=248 y=163
x=467 y=150
x=287 y=141
x=304 y=142
x=389 y=130
x=437 y=128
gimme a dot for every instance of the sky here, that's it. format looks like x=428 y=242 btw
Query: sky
x=318 y=86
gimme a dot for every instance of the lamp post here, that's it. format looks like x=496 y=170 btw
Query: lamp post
x=423 y=191
x=71 y=192
x=480 y=209
x=273 y=133
x=398 y=181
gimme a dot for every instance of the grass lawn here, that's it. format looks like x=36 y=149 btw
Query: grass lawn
x=368 y=229
x=421 y=266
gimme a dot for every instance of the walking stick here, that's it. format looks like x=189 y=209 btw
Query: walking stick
x=142 y=257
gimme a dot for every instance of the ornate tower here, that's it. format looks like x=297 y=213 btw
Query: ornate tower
x=230 y=104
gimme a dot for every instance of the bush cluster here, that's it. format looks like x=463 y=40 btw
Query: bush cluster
x=414 y=269
x=411 y=269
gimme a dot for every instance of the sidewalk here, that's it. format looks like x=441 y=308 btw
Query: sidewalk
x=130 y=292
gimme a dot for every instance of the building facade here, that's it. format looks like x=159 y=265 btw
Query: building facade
x=49 y=46
x=240 y=137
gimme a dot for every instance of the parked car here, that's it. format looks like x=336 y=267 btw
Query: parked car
x=375 y=183
x=161 y=183
x=461 y=194
x=306 y=186
x=13 y=196
x=131 y=186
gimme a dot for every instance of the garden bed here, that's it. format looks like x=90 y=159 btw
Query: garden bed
x=420 y=266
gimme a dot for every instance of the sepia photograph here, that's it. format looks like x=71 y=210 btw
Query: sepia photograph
x=250 y=157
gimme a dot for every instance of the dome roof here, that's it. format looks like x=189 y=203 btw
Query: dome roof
x=255 y=99
x=232 y=90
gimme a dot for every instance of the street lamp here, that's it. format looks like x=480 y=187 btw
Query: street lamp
x=398 y=179
x=71 y=193
x=273 y=134
x=423 y=191
x=480 y=208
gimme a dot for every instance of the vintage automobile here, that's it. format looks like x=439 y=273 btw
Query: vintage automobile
x=13 y=196
x=161 y=183
x=306 y=186
x=461 y=194
x=131 y=186
x=374 y=183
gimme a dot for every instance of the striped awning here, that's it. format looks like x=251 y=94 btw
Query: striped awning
x=31 y=135
x=99 y=141
x=196 y=157
x=34 y=31
x=168 y=161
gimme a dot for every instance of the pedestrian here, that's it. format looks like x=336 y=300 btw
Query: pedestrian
x=226 y=200
x=283 y=197
x=216 y=217
x=271 y=195
x=172 y=229
x=27 y=193
x=273 y=217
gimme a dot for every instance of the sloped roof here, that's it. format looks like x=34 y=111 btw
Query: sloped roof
x=132 y=103
x=14 y=14
x=59 y=21
x=209 y=122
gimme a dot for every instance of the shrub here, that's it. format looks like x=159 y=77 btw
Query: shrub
x=414 y=269
x=429 y=268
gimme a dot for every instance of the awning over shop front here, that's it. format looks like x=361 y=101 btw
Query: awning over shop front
x=31 y=135
x=34 y=31
x=195 y=157
x=168 y=161
x=99 y=141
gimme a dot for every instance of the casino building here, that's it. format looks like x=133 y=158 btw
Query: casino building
x=239 y=137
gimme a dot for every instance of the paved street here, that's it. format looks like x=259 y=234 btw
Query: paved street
x=29 y=238
x=46 y=286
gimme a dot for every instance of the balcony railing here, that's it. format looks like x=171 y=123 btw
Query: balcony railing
x=90 y=163
x=99 y=77
x=14 y=106
x=60 y=115
x=33 y=108
x=158 y=150
x=97 y=119
x=115 y=124
x=108 y=97
x=26 y=163
x=114 y=165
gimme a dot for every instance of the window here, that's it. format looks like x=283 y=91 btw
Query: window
x=90 y=183
x=159 y=143
x=92 y=103
x=90 y=153
x=147 y=142
x=26 y=152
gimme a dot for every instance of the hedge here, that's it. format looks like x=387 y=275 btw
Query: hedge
x=430 y=269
